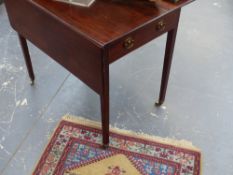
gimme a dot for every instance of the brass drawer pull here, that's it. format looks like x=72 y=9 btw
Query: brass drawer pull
x=128 y=43
x=161 y=26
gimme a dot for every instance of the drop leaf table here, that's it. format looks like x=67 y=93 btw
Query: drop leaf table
x=86 y=40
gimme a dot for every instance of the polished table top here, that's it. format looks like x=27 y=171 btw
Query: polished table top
x=107 y=20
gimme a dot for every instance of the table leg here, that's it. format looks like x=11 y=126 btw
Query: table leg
x=105 y=105
x=171 y=38
x=27 y=58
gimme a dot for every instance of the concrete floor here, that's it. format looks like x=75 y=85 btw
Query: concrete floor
x=198 y=106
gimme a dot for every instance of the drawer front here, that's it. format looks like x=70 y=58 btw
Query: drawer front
x=142 y=35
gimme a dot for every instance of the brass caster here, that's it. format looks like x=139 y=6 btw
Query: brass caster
x=158 y=104
x=32 y=82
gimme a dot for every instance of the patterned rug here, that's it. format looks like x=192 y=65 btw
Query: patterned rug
x=75 y=149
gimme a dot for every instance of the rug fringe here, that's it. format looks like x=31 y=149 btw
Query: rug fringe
x=177 y=143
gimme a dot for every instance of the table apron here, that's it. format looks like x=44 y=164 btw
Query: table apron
x=143 y=35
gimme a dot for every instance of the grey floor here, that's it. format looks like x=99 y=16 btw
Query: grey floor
x=198 y=106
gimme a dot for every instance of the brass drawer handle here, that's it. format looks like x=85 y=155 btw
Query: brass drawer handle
x=161 y=26
x=128 y=43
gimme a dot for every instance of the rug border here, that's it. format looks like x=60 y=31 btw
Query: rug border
x=166 y=141
x=117 y=151
x=183 y=144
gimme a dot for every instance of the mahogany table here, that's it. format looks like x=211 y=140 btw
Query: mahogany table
x=86 y=40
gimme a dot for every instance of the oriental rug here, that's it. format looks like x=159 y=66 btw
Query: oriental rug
x=75 y=149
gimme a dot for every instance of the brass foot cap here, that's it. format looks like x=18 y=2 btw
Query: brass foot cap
x=32 y=82
x=158 y=103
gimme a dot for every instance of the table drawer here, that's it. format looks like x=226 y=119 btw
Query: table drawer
x=142 y=35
